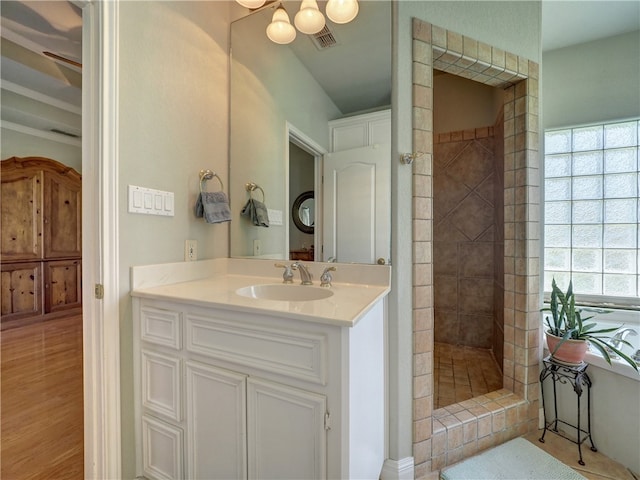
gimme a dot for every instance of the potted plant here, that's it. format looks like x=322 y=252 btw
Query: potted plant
x=568 y=333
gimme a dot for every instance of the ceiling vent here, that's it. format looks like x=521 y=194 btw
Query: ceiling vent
x=324 y=39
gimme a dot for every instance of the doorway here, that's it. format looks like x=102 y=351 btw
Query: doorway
x=302 y=205
x=304 y=171
x=468 y=238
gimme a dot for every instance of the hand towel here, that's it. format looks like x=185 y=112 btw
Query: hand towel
x=213 y=206
x=257 y=212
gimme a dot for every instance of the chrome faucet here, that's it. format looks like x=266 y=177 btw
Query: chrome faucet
x=306 y=276
x=619 y=338
x=287 y=275
x=326 y=278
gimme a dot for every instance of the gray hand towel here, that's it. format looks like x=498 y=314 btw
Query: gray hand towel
x=213 y=206
x=257 y=212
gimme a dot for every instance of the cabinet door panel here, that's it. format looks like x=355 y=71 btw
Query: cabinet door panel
x=216 y=426
x=62 y=285
x=161 y=386
x=21 y=205
x=62 y=217
x=21 y=290
x=286 y=434
x=162 y=447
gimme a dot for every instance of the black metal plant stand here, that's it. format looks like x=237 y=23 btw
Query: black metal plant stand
x=577 y=377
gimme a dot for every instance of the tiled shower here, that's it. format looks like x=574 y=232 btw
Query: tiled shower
x=467 y=236
x=468 y=251
x=443 y=436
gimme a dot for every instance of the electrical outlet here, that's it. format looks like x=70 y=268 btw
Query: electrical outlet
x=190 y=250
x=257 y=248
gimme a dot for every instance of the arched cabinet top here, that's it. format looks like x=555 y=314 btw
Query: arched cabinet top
x=17 y=164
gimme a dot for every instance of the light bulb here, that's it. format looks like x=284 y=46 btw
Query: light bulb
x=342 y=11
x=280 y=29
x=251 y=3
x=309 y=20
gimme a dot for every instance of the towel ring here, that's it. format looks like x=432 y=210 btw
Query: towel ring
x=251 y=187
x=208 y=175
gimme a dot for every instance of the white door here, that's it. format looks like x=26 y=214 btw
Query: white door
x=357 y=204
x=286 y=432
x=216 y=428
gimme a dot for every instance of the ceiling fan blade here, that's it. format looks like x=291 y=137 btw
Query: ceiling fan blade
x=62 y=59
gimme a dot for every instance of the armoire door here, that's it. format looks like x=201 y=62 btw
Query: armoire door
x=62 y=222
x=21 y=225
x=21 y=290
x=62 y=285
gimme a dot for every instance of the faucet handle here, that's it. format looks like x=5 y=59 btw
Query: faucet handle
x=287 y=275
x=326 y=278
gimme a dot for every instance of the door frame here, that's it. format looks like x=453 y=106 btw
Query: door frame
x=297 y=137
x=101 y=319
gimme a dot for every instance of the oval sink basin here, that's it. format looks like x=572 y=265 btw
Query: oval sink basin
x=285 y=292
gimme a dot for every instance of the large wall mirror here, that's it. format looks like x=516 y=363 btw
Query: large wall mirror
x=282 y=100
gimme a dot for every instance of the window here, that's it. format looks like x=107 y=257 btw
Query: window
x=591 y=210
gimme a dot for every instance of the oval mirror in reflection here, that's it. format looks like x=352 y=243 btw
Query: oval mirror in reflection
x=303 y=212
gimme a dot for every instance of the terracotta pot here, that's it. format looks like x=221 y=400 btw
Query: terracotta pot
x=571 y=351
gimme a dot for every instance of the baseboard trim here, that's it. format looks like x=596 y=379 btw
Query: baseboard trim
x=397 y=469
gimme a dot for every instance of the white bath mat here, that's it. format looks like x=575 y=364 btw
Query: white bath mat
x=517 y=459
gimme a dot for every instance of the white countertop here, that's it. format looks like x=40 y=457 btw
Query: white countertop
x=213 y=284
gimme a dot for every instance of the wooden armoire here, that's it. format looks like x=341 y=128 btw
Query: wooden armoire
x=41 y=240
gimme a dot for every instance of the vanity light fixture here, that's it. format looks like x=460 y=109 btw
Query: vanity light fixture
x=308 y=20
x=280 y=29
x=252 y=4
x=342 y=11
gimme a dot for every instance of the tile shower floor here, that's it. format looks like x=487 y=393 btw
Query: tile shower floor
x=462 y=373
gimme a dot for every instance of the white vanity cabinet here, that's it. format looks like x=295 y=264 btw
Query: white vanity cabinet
x=226 y=394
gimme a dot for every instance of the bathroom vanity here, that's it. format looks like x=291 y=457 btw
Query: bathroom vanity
x=237 y=380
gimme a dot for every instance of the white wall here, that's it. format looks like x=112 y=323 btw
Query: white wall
x=19 y=144
x=594 y=82
x=173 y=121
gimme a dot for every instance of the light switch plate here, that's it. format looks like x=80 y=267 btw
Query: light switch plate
x=275 y=216
x=150 y=202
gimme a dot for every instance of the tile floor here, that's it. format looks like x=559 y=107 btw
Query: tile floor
x=462 y=373
x=597 y=466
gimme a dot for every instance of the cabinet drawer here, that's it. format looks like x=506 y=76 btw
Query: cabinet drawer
x=161 y=327
x=295 y=354
x=161 y=385
x=162 y=448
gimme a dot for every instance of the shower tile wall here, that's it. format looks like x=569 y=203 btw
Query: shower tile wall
x=464 y=177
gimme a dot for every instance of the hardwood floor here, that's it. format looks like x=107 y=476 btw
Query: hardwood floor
x=42 y=401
